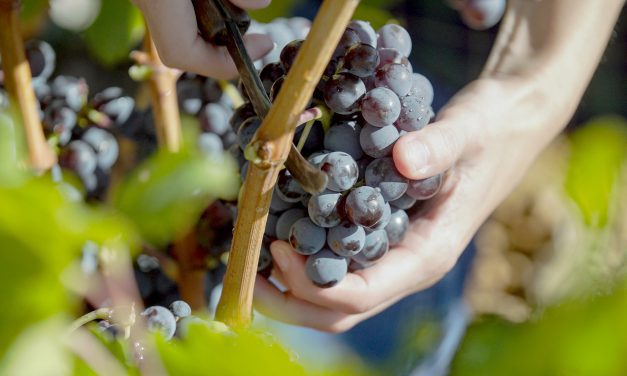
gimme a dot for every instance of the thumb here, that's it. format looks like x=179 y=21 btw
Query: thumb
x=431 y=150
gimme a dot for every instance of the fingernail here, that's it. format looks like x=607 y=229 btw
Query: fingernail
x=281 y=256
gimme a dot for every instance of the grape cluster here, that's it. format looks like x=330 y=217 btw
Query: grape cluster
x=375 y=97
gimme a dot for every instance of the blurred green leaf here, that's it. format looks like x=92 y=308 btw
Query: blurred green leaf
x=116 y=31
x=166 y=194
x=276 y=9
x=598 y=153
x=584 y=337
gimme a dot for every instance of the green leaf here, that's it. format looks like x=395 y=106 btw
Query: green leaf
x=166 y=194
x=598 y=153
x=584 y=337
x=116 y=31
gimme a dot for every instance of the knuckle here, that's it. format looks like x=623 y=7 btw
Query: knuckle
x=357 y=306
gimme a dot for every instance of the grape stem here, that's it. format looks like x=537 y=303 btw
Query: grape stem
x=190 y=277
x=272 y=143
x=17 y=79
x=99 y=314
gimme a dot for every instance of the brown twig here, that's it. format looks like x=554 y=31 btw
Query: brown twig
x=272 y=145
x=190 y=277
x=17 y=79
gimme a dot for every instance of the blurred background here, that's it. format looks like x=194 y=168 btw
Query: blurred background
x=542 y=289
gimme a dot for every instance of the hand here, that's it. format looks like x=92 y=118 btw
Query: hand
x=174 y=31
x=485 y=139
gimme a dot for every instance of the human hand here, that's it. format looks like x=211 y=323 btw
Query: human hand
x=175 y=33
x=484 y=139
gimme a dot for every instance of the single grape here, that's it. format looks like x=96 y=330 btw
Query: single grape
x=415 y=114
x=395 y=77
x=315 y=138
x=380 y=107
x=269 y=74
x=344 y=137
x=389 y=56
x=160 y=319
x=210 y=144
x=113 y=103
x=287 y=188
x=276 y=88
x=240 y=114
x=342 y=93
x=326 y=269
x=71 y=89
x=347 y=239
x=394 y=36
x=377 y=245
x=247 y=131
x=382 y=174
x=105 y=145
x=421 y=88
x=361 y=60
x=286 y=220
x=323 y=209
x=306 y=238
x=41 y=59
x=426 y=188
x=189 y=91
x=404 y=202
x=264 y=265
x=482 y=14
x=318 y=157
x=278 y=205
x=341 y=170
x=214 y=118
x=397 y=226
x=78 y=156
x=289 y=52
x=271 y=225
x=365 y=206
x=365 y=32
x=60 y=121
x=212 y=91
x=348 y=39
x=378 y=142
x=385 y=218
x=180 y=309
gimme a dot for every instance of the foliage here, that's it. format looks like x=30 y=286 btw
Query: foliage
x=118 y=29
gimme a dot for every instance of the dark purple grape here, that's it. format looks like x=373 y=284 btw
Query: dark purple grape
x=287 y=188
x=389 y=56
x=269 y=74
x=361 y=60
x=278 y=205
x=394 y=36
x=365 y=32
x=71 y=89
x=264 y=265
x=276 y=88
x=397 y=226
x=289 y=53
x=315 y=138
x=404 y=202
x=210 y=144
x=365 y=206
x=41 y=59
x=189 y=92
x=395 y=77
x=482 y=14
x=421 y=88
x=323 y=209
x=326 y=269
x=105 y=145
x=180 y=309
x=286 y=220
x=341 y=170
x=240 y=114
x=330 y=71
x=211 y=90
x=342 y=93
x=60 y=121
x=113 y=103
x=79 y=157
x=378 y=142
x=385 y=218
x=160 y=319
x=348 y=39
x=415 y=114
x=247 y=131
x=426 y=188
x=271 y=225
x=347 y=239
x=382 y=174
x=318 y=157
x=362 y=164
x=377 y=245
x=214 y=118
x=380 y=107
x=344 y=137
x=306 y=237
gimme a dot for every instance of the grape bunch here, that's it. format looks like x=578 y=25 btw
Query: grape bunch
x=374 y=97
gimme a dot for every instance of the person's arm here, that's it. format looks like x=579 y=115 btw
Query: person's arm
x=486 y=138
x=172 y=24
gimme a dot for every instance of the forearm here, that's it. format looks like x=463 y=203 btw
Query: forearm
x=555 y=45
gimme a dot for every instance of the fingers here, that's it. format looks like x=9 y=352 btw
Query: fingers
x=432 y=150
x=174 y=31
x=251 y=4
